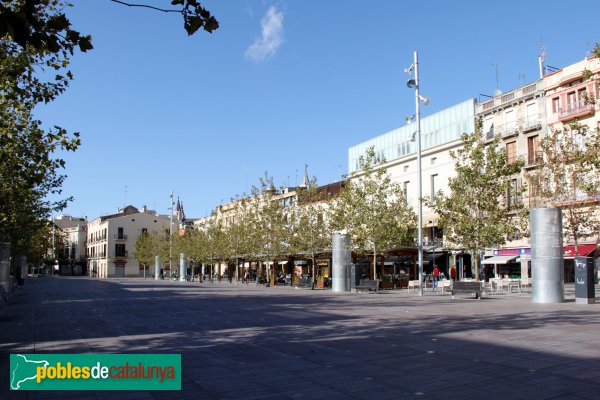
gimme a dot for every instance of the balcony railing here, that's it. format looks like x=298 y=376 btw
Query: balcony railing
x=534 y=159
x=514 y=202
x=531 y=123
x=120 y=237
x=515 y=95
x=577 y=107
x=508 y=130
x=121 y=254
x=437 y=242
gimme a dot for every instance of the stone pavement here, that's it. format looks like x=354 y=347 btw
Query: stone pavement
x=249 y=342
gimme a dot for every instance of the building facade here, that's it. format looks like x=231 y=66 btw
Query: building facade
x=73 y=233
x=111 y=241
x=440 y=134
x=518 y=117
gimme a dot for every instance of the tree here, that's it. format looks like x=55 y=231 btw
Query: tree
x=309 y=222
x=270 y=222
x=192 y=243
x=485 y=202
x=42 y=25
x=569 y=178
x=373 y=210
x=36 y=40
x=238 y=231
x=146 y=250
x=30 y=74
x=194 y=15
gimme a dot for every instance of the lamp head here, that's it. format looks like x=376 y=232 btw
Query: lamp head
x=409 y=118
x=410 y=69
x=425 y=100
x=411 y=83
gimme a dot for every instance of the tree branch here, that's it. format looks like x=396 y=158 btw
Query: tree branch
x=146 y=6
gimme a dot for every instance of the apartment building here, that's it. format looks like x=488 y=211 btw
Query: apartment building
x=72 y=249
x=111 y=241
x=518 y=117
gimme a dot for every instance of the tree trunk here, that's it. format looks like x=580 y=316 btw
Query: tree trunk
x=374 y=262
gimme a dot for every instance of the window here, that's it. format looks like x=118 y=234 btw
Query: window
x=513 y=195
x=488 y=128
x=509 y=121
x=405 y=190
x=579 y=139
x=511 y=152
x=406 y=168
x=555 y=104
x=120 y=233
x=434 y=178
x=571 y=101
x=120 y=250
x=533 y=152
x=532 y=117
x=144 y=231
x=433 y=160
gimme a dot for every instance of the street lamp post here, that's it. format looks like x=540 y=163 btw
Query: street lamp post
x=171 y=237
x=414 y=83
x=433 y=239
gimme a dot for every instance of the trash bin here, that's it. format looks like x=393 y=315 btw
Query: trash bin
x=585 y=290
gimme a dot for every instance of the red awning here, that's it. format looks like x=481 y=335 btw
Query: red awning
x=584 y=250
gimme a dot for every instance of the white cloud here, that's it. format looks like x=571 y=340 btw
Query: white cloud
x=271 y=37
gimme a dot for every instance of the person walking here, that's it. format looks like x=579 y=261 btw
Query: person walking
x=436 y=277
x=453 y=273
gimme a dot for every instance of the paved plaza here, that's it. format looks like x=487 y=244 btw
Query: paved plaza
x=249 y=342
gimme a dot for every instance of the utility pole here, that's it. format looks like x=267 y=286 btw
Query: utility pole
x=171 y=236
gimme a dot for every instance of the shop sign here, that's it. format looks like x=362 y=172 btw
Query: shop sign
x=512 y=252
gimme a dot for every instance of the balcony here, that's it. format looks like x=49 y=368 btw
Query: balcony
x=121 y=254
x=533 y=159
x=531 y=124
x=120 y=237
x=514 y=202
x=575 y=109
x=508 y=130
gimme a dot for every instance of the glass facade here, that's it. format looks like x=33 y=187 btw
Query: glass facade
x=436 y=129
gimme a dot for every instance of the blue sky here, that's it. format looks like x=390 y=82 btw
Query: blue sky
x=279 y=85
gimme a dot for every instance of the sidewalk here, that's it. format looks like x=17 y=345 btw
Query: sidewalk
x=249 y=342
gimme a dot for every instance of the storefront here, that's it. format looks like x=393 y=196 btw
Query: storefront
x=516 y=263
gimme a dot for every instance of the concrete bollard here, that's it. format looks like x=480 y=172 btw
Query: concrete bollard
x=547 y=266
x=341 y=260
x=157 y=267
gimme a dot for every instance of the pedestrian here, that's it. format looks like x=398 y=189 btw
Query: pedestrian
x=453 y=273
x=246 y=277
x=436 y=277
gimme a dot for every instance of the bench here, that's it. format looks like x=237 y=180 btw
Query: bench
x=467 y=287
x=413 y=284
x=305 y=282
x=368 y=285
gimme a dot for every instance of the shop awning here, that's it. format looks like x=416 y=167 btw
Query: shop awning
x=499 y=259
x=584 y=250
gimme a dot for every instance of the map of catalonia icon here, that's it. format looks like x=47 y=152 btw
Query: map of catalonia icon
x=24 y=370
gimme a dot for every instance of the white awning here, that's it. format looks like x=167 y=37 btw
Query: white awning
x=499 y=259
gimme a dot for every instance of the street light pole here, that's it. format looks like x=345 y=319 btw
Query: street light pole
x=171 y=237
x=419 y=172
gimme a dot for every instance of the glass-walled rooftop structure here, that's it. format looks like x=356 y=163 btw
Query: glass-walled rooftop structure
x=436 y=129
